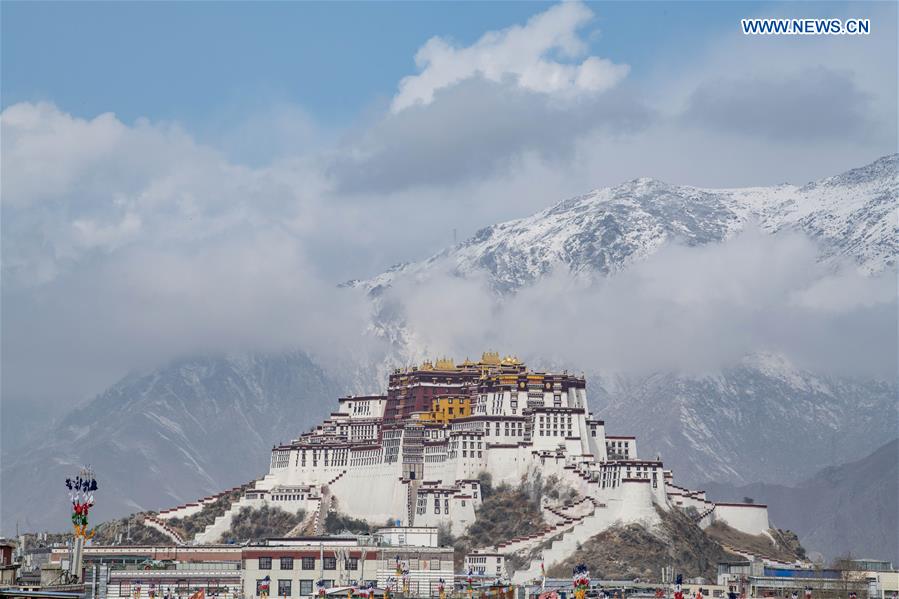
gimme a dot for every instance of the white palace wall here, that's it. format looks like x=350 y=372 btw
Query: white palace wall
x=750 y=518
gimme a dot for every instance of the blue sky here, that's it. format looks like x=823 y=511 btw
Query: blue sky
x=182 y=61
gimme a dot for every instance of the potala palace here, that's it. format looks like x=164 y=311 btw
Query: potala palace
x=413 y=456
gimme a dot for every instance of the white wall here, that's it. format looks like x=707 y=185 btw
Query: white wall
x=749 y=518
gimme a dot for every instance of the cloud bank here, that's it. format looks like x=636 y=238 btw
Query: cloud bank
x=692 y=310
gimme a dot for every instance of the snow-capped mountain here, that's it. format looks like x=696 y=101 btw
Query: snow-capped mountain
x=191 y=428
x=763 y=419
x=854 y=214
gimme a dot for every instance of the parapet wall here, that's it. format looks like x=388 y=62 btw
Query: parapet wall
x=751 y=518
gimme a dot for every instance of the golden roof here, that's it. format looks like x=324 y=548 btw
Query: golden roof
x=490 y=357
x=444 y=363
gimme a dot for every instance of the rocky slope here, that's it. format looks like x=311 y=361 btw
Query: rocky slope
x=626 y=552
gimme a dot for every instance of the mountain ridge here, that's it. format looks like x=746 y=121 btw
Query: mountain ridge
x=168 y=436
x=588 y=230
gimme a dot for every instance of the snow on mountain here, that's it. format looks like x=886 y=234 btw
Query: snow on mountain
x=191 y=428
x=854 y=214
x=763 y=420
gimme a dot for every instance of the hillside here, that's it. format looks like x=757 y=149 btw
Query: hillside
x=187 y=430
x=258 y=524
x=850 y=508
x=635 y=551
x=626 y=552
x=505 y=513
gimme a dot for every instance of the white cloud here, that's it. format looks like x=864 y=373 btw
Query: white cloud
x=685 y=309
x=519 y=53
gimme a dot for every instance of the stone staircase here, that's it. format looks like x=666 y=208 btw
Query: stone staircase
x=321 y=514
x=564 y=519
x=307 y=526
x=704 y=519
x=222 y=523
x=336 y=478
x=767 y=559
x=188 y=509
x=599 y=520
x=163 y=527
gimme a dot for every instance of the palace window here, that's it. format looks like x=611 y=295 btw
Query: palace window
x=284 y=588
x=308 y=563
x=306 y=587
x=352 y=563
x=265 y=563
x=287 y=563
x=329 y=563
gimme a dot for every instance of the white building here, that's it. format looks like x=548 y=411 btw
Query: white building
x=395 y=558
x=402 y=458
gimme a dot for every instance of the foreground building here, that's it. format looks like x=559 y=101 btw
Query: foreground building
x=293 y=567
x=394 y=558
x=866 y=579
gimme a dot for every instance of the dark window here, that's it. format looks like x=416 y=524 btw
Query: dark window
x=305 y=587
x=328 y=583
x=287 y=563
x=283 y=588
x=309 y=563
x=265 y=563
x=352 y=563
x=330 y=563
